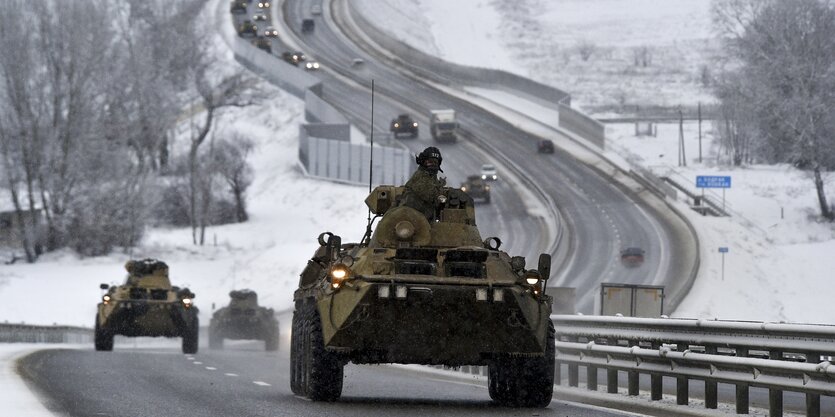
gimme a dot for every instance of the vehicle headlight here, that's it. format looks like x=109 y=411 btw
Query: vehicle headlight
x=187 y=302
x=316 y=65
x=339 y=274
x=532 y=280
x=486 y=188
x=105 y=299
x=397 y=125
x=414 y=124
x=464 y=189
x=484 y=177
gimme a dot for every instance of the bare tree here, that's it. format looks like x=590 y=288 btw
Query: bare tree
x=784 y=80
x=231 y=163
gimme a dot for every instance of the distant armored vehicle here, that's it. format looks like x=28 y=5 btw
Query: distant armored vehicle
x=243 y=319
x=146 y=305
x=263 y=44
x=247 y=28
x=443 y=126
x=237 y=7
x=293 y=58
x=423 y=293
x=476 y=188
x=404 y=124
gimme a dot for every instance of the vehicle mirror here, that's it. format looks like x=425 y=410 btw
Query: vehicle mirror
x=544 y=266
x=104 y=286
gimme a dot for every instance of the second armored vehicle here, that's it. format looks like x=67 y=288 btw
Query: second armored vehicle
x=243 y=318
x=404 y=124
x=146 y=305
x=476 y=188
x=422 y=292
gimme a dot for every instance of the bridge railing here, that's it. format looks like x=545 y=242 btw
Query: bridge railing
x=776 y=356
x=28 y=333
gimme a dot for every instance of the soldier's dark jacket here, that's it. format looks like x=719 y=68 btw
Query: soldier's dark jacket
x=422 y=192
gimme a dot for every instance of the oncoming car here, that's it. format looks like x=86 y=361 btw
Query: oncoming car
x=271 y=32
x=259 y=15
x=488 y=172
x=311 y=65
x=263 y=4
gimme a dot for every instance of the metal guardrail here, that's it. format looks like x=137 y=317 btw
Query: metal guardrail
x=27 y=333
x=776 y=356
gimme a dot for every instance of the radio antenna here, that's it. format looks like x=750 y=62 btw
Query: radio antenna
x=367 y=236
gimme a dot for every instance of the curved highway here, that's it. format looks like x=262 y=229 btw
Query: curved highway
x=243 y=380
x=596 y=218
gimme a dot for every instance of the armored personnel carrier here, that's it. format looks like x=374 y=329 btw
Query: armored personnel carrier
x=476 y=188
x=422 y=292
x=404 y=124
x=243 y=318
x=146 y=305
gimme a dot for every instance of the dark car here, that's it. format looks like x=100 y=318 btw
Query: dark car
x=293 y=58
x=247 y=28
x=476 y=188
x=545 y=146
x=308 y=25
x=404 y=125
x=263 y=44
x=632 y=256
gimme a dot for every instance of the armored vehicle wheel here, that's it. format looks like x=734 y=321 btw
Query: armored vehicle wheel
x=103 y=338
x=322 y=371
x=296 y=354
x=215 y=339
x=271 y=341
x=190 y=337
x=524 y=382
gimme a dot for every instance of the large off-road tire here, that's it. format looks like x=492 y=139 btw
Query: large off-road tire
x=296 y=353
x=190 y=336
x=215 y=339
x=524 y=382
x=322 y=371
x=103 y=339
x=271 y=339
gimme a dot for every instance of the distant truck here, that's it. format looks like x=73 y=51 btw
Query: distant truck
x=443 y=125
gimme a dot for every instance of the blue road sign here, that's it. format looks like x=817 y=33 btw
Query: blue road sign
x=713 y=181
x=723 y=250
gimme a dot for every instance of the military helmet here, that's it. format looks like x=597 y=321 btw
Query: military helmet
x=430 y=152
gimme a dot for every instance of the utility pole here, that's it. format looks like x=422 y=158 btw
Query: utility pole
x=700 y=132
x=682 y=158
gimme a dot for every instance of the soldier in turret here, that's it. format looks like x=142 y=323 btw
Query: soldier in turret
x=424 y=187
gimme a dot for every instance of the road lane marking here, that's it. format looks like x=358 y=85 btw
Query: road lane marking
x=261 y=383
x=231 y=374
x=191 y=358
x=211 y=368
x=197 y=363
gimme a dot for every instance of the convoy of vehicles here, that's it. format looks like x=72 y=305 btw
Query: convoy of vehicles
x=423 y=293
x=443 y=126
